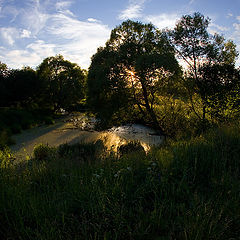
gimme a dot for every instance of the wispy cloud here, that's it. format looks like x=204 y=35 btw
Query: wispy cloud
x=77 y=38
x=163 y=20
x=61 y=5
x=236 y=36
x=48 y=29
x=215 y=28
x=25 y=33
x=134 y=10
x=8 y=35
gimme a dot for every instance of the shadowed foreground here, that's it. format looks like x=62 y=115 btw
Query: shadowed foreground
x=184 y=190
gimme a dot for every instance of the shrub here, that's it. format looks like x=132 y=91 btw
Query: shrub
x=132 y=146
x=49 y=121
x=6 y=158
x=42 y=152
x=5 y=138
x=86 y=152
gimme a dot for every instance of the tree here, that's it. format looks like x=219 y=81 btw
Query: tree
x=198 y=48
x=23 y=86
x=127 y=73
x=4 y=71
x=18 y=86
x=219 y=88
x=63 y=82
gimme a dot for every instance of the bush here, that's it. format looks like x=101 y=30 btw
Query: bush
x=83 y=152
x=42 y=152
x=6 y=158
x=49 y=121
x=130 y=147
x=5 y=138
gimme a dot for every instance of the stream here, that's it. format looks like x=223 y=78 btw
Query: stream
x=80 y=128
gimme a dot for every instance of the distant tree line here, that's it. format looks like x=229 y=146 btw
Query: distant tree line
x=55 y=84
x=137 y=77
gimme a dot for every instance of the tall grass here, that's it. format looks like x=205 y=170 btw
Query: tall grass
x=184 y=190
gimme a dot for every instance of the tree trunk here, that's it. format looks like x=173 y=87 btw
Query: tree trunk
x=152 y=114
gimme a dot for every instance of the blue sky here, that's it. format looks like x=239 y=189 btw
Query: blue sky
x=31 y=30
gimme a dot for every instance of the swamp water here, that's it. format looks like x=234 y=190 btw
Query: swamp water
x=80 y=128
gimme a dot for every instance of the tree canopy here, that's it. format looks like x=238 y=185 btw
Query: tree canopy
x=202 y=51
x=63 y=82
x=125 y=75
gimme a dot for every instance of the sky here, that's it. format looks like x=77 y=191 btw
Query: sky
x=31 y=30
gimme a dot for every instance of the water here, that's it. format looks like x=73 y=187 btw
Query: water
x=79 y=128
x=117 y=136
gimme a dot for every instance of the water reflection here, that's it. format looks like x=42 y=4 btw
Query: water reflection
x=117 y=136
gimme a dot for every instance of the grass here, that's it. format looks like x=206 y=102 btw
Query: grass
x=184 y=190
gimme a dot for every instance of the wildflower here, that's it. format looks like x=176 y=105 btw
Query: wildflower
x=149 y=168
x=129 y=168
x=154 y=164
x=115 y=175
x=96 y=175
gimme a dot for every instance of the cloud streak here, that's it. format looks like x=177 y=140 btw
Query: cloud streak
x=134 y=10
x=48 y=29
x=163 y=20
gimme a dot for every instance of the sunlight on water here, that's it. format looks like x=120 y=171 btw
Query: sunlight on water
x=117 y=136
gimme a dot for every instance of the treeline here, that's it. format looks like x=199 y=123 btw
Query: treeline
x=30 y=97
x=138 y=77
x=55 y=84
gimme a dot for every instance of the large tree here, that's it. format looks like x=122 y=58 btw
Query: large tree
x=126 y=75
x=63 y=82
x=200 y=51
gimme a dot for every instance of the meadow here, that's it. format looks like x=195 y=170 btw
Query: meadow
x=186 y=189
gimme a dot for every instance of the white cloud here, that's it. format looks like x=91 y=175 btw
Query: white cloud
x=93 y=20
x=215 y=28
x=163 y=20
x=25 y=34
x=41 y=48
x=63 y=5
x=35 y=20
x=76 y=38
x=48 y=28
x=191 y=2
x=134 y=10
x=20 y=58
x=236 y=26
x=238 y=18
x=229 y=15
x=8 y=35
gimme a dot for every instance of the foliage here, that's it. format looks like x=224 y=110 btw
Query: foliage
x=184 y=190
x=127 y=73
x=201 y=51
x=63 y=83
x=42 y=152
x=130 y=147
x=19 y=88
x=218 y=86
